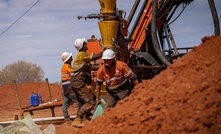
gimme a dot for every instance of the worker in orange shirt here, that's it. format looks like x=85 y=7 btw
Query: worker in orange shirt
x=117 y=76
x=68 y=93
x=81 y=78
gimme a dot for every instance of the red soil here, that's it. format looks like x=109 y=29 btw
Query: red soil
x=10 y=106
x=184 y=98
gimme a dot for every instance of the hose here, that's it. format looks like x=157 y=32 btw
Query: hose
x=215 y=17
x=154 y=34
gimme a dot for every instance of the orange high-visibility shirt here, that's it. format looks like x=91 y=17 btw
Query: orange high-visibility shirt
x=66 y=72
x=117 y=76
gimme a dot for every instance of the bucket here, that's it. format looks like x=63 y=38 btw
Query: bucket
x=35 y=99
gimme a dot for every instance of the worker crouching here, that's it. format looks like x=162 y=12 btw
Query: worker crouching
x=118 y=77
x=80 y=78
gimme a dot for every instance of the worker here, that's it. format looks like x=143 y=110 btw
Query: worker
x=68 y=93
x=81 y=78
x=117 y=76
x=93 y=37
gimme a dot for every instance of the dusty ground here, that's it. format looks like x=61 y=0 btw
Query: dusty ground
x=184 y=98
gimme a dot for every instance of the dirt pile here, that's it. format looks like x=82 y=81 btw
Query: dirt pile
x=185 y=98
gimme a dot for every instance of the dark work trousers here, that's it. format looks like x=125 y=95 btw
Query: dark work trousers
x=113 y=96
x=83 y=95
x=68 y=97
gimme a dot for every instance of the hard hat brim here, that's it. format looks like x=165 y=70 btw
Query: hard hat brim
x=106 y=58
x=67 y=58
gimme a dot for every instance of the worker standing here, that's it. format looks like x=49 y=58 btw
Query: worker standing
x=118 y=77
x=68 y=93
x=80 y=78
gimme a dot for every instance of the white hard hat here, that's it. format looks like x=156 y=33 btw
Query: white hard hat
x=65 y=56
x=79 y=43
x=108 y=54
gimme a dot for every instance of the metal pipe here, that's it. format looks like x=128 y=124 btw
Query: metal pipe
x=154 y=34
x=133 y=10
x=215 y=17
x=41 y=121
x=141 y=10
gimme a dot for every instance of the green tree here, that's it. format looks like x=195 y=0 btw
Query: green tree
x=21 y=71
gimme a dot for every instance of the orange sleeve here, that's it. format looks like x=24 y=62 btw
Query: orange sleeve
x=126 y=71
x=100 y=74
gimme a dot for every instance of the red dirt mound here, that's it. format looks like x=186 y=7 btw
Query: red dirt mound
x=184 y=98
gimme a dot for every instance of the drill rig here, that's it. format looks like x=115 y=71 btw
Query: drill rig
x=149 y=47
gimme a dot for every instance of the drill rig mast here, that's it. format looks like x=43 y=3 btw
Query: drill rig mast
x=143 y=48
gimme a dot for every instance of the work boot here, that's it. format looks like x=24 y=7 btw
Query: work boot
x=67 y=122
x=85 y=121
x=77 y=122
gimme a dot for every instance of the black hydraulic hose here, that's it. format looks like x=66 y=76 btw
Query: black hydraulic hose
x=215 y=17
x=154 y=34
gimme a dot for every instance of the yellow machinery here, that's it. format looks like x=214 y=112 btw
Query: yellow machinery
x=109 y=25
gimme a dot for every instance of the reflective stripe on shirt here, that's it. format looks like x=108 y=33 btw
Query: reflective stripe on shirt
x=99 y=80
x=66 y=82
x=116 y=86
x=64 y=75
x=114 y=79
x=128 y=73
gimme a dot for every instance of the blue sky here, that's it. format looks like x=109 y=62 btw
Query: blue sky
x=51 y=27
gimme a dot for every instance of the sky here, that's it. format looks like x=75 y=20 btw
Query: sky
x=51 y=26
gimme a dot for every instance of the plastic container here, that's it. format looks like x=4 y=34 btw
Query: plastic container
x=35 y=99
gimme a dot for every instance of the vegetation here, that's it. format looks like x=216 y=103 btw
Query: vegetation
x=21 y=71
